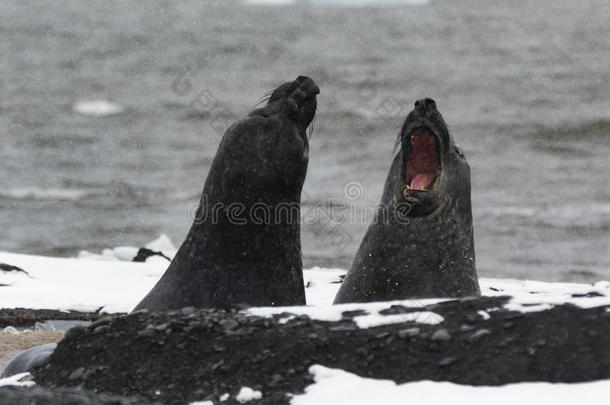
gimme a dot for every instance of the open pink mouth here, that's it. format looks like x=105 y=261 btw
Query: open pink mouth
x=422 y=161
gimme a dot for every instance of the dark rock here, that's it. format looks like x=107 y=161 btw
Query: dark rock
x=74 y=332
x=588 y=295
x=145 y=253
x=161 y=328
x=352 y=314
x=135 y=359
x=8 y=268
x=441 y=335
x=77 y=374
x=409 y=332
x=24 y=317
x=447 y=361
x=478 y=335
x=229 y=324
x=101 y=329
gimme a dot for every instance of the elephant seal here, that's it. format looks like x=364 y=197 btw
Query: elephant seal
x=244 y=246
x=29 y=359
x=421 y=241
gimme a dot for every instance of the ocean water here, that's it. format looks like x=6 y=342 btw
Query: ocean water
x=111 y=113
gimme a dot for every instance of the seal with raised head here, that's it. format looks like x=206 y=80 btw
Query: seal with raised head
x=421 y=241
x=244 y=246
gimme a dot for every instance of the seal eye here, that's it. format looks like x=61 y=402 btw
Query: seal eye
x=458 y=150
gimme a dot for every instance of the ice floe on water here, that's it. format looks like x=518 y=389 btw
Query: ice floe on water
x=335 y=386
x=97 y=108
x=43 y=193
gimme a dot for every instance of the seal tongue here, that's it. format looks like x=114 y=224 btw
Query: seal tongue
x=422 y=180
x=422 y=162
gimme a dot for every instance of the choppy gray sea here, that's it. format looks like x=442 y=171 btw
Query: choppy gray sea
x=524 y=85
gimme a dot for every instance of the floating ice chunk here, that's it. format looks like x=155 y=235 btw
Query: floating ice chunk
x=164 y=245
x=97 y=108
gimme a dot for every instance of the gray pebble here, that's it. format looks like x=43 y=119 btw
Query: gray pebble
x=76 y=374
x=441 y=335
x=409 y=332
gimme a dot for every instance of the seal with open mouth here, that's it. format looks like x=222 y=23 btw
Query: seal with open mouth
x=244 y=247
x=421 y=242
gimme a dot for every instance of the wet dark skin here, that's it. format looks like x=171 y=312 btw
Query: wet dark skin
x=421 y=242
x=231 y=258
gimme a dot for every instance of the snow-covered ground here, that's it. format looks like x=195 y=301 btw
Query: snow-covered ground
x=112 y=282
x=18 y=380
x=333 y=386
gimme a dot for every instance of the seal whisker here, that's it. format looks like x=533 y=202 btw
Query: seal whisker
x=264 y=98
x=311 y=128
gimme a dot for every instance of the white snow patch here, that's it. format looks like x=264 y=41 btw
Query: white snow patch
x=76 y=284
x=484 y=315
x=164 y=245
x=247 y=394
x=530 y=296
x=125 y=253
x=334 y=386
x=224 y=397
x=97 y=108
x=321 y=285
x=371 y=321
x=202 y=403
x=16 y=380
x=110 y=280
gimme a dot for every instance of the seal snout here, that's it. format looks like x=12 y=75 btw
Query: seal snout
x=301 y=101
x=307 y=84
x=306 y=89
x=425 y=104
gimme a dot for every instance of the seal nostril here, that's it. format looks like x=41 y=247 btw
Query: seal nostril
x=308 y=85
x=425 y=104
